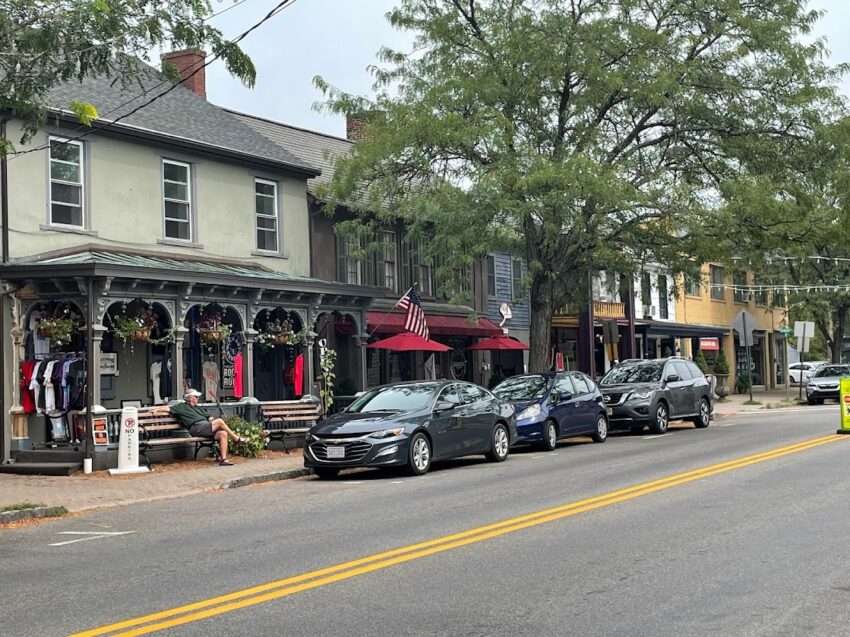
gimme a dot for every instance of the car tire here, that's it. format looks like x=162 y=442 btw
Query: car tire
x=419 y=455
x=550 y=436
x=601 y=433
x=326 y=473
x=661 y=420
x=704 y=418
x=500 y=442
x=636 y=430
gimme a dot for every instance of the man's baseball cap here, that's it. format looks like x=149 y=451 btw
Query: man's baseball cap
x=192 y=392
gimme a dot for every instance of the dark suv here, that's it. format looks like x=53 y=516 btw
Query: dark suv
x=638 y=393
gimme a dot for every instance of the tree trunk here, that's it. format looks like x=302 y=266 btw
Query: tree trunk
x=540 y=356
x=838 y=325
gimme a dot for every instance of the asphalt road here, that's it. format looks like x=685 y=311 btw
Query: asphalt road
x=754 y=547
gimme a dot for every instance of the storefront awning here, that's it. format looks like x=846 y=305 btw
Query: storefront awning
x=678 y=330
x=393 y=323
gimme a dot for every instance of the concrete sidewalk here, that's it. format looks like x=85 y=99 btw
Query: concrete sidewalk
x=766 y=399
x=82 y=492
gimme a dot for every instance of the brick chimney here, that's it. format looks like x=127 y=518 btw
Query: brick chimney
x=355 y=126
x=187 y=62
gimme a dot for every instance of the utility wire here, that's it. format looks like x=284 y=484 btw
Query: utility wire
x=283 y=4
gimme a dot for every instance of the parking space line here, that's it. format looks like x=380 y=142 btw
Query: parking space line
x=653 y=437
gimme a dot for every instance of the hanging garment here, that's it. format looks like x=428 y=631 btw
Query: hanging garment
x=59 y=428
x=77 y=380
x=155 y=377
x=27 y=395
x=49 y=394
x=66 y=383
x=166 y=385
x=41 y=345
x=237 y=375
x=298 y=376
x=36 y=386
x=210 y=372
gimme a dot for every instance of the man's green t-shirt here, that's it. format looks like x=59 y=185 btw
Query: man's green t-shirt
x=188 y=414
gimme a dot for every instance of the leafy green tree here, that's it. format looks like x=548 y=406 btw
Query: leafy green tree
x=790 y=220
x=46 y=42
x=583 y=135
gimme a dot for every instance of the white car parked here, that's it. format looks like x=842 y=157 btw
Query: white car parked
x=803 y=371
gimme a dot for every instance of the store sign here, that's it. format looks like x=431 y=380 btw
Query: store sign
x=709 y=343
x=844 y=401
x=228 y=377
x=101 y=432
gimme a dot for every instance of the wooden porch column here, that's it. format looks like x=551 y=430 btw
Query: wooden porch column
x=98 y=331
x=361 y=341
x=309 y=370
x=179 y=373
x=20 y=421
x=248 y=362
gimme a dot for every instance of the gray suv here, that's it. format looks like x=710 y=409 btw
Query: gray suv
x=638 y=393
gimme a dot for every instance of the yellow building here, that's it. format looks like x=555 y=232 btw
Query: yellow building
x=716 y=299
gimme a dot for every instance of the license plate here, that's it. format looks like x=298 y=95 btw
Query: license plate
x=336 y=452
x=610 y=411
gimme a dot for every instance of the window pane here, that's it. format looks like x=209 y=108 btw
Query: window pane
x=66 y=215
x=176 y=191
x=266 y=240
x=264 y=205
x=63 y=193
x=64 y=172
x=262 y=188
x=266 y=223
x=173 y=172
x=491 y=275
x=175 y=210
x=65 y=152
x=177 y=230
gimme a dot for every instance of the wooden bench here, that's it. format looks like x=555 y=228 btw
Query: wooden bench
x=284 y=418
x=156 y=430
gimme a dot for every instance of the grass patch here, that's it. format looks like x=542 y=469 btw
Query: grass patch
x=20 y=506
x=752 y=402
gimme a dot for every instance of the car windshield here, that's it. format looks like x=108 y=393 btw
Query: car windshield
x=634 y=373
x=522 y=388
x=832 y=370
x=395 y=398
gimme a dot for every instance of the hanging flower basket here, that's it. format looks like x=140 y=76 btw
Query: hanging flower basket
x=284 y=338
x=59 y=329
x=44 y=332
x=142 y=335
x=211 y=335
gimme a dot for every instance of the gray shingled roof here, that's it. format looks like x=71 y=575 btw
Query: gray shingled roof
x=181 y=115
x=319 y=149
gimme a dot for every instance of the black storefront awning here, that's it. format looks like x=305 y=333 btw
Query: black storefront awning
x=679 y=330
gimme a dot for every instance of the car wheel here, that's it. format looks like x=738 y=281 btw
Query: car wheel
x=601 y=434
x=636 y=430
x=662 y=419
x=704 y=417
x=419 y=456
x=550 y=436
x=326 y=473
x=499 y=443
x=811 y=401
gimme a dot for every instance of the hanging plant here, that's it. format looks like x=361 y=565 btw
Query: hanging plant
x=136 y=328
x=211 y=328
x=327 y=364
x=59 y=328
x=279 y=332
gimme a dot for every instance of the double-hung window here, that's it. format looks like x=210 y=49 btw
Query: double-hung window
x=718 y=288
x=265 y=207
x=516 y=280
x=491 y=275
x=177 y=199
x=741 y=293
x=663 y=310
x=389 y=254
x=66 y=183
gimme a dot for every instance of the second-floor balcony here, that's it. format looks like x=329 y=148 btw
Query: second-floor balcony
x=601 y=310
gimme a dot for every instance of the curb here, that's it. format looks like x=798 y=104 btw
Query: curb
x=26 y=514
x=266 y=477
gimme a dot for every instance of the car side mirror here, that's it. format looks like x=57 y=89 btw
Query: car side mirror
x=673 y=378
x=444 y=405
x=555 y=397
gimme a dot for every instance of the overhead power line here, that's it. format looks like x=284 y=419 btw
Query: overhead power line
x=283 y=4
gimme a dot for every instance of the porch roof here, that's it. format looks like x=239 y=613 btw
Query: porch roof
x=438 y=324
x=681 y=330
x=99 y=261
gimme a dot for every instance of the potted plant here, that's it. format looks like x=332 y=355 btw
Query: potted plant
x=277 y=332
x=721 y=372
x=59 y=328
x=699 y=361
x=211 y=328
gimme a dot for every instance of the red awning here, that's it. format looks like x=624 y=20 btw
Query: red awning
x=383 y=323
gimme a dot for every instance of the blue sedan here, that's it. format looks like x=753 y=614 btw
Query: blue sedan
x=551 y=406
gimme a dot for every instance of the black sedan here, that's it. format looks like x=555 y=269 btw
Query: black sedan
x=411 y=424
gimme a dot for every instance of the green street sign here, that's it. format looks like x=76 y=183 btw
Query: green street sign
x=785 y=331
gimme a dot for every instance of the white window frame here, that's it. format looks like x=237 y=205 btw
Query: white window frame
x=190 y=212
x=390 y=251
x=51 y=180
x=267 y=182
x=515 y=289
x=491 y=259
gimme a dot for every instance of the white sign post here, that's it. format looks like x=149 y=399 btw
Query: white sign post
x=128 y=444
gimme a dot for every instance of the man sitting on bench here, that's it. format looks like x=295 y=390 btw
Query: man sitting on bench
x=199 y=424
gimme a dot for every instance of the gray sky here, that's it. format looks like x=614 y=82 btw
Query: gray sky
x=339 y=39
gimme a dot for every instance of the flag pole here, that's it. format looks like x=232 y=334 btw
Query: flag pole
x=386 y=314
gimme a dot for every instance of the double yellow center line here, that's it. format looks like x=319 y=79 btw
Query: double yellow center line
x=347 y=570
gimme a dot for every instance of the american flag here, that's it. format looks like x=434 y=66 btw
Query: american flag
x=415 y=320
